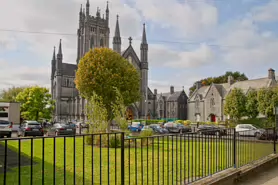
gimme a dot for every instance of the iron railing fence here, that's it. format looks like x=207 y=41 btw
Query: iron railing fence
x=117 y=158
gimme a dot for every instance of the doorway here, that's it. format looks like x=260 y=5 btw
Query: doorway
x=212 y=118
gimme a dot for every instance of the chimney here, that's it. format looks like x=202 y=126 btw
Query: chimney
x=198 y=84
x=230 y=80
x=172 y=90
x=271 y=74
x=155 y=91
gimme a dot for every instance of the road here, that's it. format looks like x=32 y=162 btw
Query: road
x=269 y=177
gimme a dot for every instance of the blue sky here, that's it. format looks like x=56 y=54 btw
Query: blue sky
x=188 y=39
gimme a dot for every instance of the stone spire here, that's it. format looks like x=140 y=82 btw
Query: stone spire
x=60 y=53
x=144 y=37
x=117 y=38
x=107 y=15
x=107 y=8
x=87 y=8
x=54 y=55
x=53 y=64
x=144 y=49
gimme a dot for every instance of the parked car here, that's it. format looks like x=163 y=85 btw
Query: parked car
x=30 y=128
x=249 y=130
x=172 y=127
x=5 y=128
x=61 y=129
x=268 y=134
x=147 y=128
x=157 y=129
x=176 y=128
x=211 y=130
x=184 y=128
x=135 y=127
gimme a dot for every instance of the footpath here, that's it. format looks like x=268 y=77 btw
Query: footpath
x=269 y=177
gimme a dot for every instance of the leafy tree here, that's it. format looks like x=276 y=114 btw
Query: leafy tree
x=97 y=114
x=220 y=79
x=10 y=94
x=267 y=100
x=252 y=104
x=119 y=111
x=102 y=70
x=36 y=103
x=235 y=104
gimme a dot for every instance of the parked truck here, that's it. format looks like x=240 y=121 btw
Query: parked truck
x=10 y=111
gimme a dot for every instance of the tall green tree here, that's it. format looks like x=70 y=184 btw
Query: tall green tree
x=36 y=103
x=10 y=94
x=220 y=79
x=267 y=100
x=252 y=110
x=235 y=104
x=101 y=71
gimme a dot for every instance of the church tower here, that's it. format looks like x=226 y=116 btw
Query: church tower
x=93 y=31
x=144 y=73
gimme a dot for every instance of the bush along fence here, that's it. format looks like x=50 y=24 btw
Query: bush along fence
x=114 y=158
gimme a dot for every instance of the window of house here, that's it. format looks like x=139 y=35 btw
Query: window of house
x=101 y=43
x=197 y=103
x=92 y=42
x=212 y=102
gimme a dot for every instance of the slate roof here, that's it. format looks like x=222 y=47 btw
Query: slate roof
x=225 y=88
x=69 y=69
x=172 y=97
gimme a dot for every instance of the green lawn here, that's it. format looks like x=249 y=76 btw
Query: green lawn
x=171 y=159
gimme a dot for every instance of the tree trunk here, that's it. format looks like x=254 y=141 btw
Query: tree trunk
x=37 y=115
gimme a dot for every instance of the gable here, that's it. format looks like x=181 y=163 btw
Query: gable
x=132 y=57
x=212 y=91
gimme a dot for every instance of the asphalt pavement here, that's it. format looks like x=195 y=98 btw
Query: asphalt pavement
x=269 y=177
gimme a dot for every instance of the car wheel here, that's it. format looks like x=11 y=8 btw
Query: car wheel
x=9 y=135
x=257 y=134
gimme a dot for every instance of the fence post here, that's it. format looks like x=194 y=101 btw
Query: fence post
x=234 y=148
x=274 y=140
x=122 y=158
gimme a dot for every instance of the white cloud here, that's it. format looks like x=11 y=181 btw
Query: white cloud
x=247 y=45
x=189 y=20
x=12 y=75
x=252 y=45
x=267 y=13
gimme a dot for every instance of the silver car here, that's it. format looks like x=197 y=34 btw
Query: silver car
x=5 y=128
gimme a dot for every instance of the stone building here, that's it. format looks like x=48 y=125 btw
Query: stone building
x=94 y=31
x=207 y=102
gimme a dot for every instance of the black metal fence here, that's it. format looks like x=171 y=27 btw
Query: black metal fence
x=115 y=158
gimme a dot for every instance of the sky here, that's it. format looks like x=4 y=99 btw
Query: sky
x=188 y=39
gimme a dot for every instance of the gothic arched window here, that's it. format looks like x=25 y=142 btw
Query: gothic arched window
x=197 y=103
x=92 y=43
x=101 y=43
x=212 y=102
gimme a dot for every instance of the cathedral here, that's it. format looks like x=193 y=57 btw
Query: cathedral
x=94 y=31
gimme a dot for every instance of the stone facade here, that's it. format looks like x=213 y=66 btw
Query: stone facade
x=207 y=102
x=94 y=31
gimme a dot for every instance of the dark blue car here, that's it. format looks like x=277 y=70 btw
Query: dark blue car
x=136 y=127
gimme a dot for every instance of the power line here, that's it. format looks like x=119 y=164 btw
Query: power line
x=125 y=38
